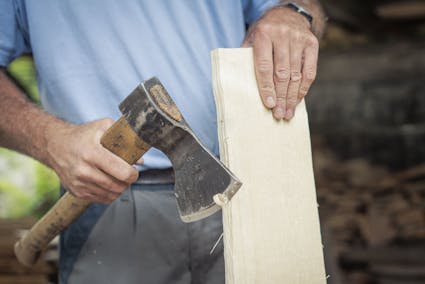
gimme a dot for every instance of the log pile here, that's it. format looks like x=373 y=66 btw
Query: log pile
x=373 y=220
x=402 y=10
x=376 y=16
x=11 y=272
x=369 y=102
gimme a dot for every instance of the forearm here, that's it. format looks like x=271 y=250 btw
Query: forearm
x=316 y=10
x=24 y=127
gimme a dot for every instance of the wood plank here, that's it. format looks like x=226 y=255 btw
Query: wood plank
x=271 y=226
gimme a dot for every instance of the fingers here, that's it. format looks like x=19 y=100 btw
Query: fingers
x=114 y=166
x=281 y=77
x=311 y=53
x=93 y=193
x=295 y=78
x=140 y=162
x=103 y=180
x=108 y=162
x=291 y=79
x=285 y=59
x=92 y=184
x=263 y=61
x=85 y=167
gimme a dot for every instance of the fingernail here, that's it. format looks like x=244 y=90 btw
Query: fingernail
x=279 y=113
x=289 y=114
x=270 y=102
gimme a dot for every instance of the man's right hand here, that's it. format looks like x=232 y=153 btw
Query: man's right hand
x=85 y=168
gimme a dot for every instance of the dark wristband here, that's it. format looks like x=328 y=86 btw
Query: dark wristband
x=300 y=10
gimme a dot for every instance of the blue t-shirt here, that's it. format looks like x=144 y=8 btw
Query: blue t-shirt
x=90 y=55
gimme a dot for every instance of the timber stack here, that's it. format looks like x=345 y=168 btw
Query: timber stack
x=11 y=272
x=373 y=220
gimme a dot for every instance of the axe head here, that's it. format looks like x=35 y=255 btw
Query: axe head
x=199 y=176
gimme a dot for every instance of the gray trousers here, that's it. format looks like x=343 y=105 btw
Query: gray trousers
x=141 y=239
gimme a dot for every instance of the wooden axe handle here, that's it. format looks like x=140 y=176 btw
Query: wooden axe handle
x=121 y=140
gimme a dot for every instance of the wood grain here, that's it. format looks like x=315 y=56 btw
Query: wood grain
x=271 y=226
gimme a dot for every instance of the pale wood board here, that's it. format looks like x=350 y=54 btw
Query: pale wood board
x=271 y=226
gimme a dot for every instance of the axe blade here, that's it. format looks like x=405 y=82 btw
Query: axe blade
x=199 y=175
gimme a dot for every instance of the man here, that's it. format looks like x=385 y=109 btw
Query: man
x=89 y=55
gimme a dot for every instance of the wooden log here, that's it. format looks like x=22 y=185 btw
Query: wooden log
x=381 y=82
x=402 y=10
x=400 y=271
x=23 y=279
x=12 y=272
x=271 y=226
x=386 y=255
x=12 y=266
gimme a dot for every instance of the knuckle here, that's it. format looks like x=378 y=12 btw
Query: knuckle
x=130 y=175
x=119 y=188
x=266 y=89
x=313 y=41
x=89 y=197
x=303 y=91
x=264 y=27
x=282 y=74
x=86 y=155
x=264 y=67
x=291 y=101
x=109 y=198
x=80 y=172
x=296 y=76
x=281 y=100
x=296 y=35
x=78 y=193
x=109 y=184
x=283 y=30
x=74 y=185
x=310 y=74
x=256 y=37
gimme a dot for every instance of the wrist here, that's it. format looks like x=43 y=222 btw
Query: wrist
x=300 y=19
x=311 y=10
x=54 y=134
x=300 y=10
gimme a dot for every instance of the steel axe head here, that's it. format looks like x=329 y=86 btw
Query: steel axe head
x=199 y=175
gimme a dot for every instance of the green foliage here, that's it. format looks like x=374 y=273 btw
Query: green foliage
x=46 y=189
x=23 y=70
x=15 y=201
x=27 y=188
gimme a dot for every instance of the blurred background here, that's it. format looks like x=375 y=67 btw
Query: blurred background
x=367 y=120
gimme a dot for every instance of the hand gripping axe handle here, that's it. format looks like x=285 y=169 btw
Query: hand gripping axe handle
x=150 y=118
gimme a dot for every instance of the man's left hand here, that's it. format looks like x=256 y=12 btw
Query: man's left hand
x=285 y=59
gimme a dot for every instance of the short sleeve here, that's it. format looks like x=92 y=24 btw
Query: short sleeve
x=12 y=40
x=253 y=9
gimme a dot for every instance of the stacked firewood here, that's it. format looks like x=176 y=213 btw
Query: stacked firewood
x=11 y=272
x=373 y=220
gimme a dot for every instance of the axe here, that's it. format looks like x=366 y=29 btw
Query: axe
x=150 y=119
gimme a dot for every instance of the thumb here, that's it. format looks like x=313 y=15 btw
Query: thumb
x=104 y=123
x=140 y=162
x=100 y=126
